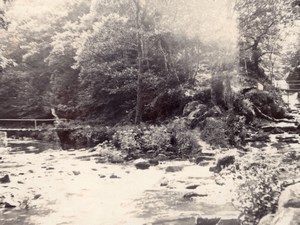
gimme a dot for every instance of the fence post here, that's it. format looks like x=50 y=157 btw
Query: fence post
x=35 y=124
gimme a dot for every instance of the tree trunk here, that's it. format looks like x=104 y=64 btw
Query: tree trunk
x=139 y=106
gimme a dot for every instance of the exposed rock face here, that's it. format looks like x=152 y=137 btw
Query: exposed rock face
x=288 y=208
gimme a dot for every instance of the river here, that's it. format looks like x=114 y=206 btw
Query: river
x=51 y=186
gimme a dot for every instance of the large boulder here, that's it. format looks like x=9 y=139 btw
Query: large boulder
x=223 y=162
x=141 y=164
x=288 y=212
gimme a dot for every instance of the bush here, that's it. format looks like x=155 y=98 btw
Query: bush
x=77 y=135
x=185 y=139
x=258 y=191
x=126 y=138
x=214 y=132
x=235 y=130
x=174 y=138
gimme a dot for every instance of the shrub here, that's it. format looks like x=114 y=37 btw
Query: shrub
x=156 y=138
x=185 y=139
x=214 y=132
x=174 y=138
x=235 y=130
x=126 y=138
x=258 y=190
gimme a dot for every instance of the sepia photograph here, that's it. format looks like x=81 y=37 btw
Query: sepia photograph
x=149 y=112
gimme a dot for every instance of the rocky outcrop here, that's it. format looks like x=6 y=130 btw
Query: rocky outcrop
x=288 y=212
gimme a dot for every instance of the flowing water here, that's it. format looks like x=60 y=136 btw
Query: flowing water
x=51 y=186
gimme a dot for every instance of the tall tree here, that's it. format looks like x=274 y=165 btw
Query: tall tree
x=260 y=25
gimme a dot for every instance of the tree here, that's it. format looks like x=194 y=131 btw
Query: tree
x=260 y=25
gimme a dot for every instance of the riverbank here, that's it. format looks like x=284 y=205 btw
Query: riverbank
x=52 y=186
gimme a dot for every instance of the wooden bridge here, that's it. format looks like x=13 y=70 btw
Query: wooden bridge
x=28 y=124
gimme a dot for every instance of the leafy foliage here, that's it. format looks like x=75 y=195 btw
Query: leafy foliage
x=261 y=24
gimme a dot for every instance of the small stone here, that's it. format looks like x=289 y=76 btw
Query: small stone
x=37 y=196
x=50 y=168
x=8 y=205
x=173 y=169
x=203 y=164
x=101 y=176
x=4 y=179
x=76 y=173
x=20 y=182
x=164 y=183
x=190 y=195
x=219 y=182
x=114 y=177
x=30 y=171
x=192 y=186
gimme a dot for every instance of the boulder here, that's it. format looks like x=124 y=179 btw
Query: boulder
x=194 y=186
x=8 y=205
x=4 y=179
x=113 y=176
x=76 y=173
x=191 y=195
x=117 y=159
x=290 y=197
x=153 y=162
x=205 y=221
x=223 y=162
x=288 y=212
x=141 y=164
x=287 y=216
x=161 y=157
x=173 y=169
x=266 y=220
x=201 y=159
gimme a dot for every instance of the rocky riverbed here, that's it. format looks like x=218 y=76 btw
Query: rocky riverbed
x=66 y=187
x=44 y=185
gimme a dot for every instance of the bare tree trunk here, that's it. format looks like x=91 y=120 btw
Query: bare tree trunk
x=138 y=110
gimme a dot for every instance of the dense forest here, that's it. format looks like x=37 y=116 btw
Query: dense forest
x=154 y=78
x=127 y=62
x=136 y=61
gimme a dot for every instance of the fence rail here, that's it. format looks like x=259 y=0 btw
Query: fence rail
x=35 y=122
